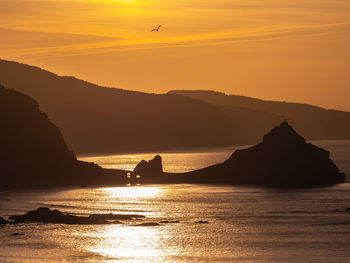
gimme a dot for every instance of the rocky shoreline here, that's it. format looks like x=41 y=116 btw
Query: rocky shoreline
x=47 y=216
x=282 y=160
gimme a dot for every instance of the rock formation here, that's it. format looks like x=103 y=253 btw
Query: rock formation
x=153 y=167
x=45 y=215
x=3 y=221
x=33 y=151
x=282 y=159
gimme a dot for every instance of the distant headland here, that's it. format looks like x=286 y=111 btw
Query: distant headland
x=283 y=159
x=95 y=119
x=34 y=153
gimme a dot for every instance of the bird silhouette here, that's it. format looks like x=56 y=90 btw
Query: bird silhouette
x=156 y=29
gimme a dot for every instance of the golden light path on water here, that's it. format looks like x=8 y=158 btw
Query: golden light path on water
x=133 y=192
x=172 y=161
x=129 y=243
x=134 y=244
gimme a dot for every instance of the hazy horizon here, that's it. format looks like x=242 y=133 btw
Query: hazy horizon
x=291 y=51
x=165 y=92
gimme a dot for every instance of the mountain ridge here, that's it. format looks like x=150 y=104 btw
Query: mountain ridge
x=96 y=119
x=314 y=122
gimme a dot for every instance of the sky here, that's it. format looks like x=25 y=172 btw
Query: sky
x=287 y=50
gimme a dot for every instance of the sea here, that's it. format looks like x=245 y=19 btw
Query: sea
x=206 y=223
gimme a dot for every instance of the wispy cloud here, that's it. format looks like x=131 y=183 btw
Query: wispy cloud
x=23 y=43
x=98 y=45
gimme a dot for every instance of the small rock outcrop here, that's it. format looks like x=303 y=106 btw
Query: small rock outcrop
x=3 y=221
x=17 y=234
x=153 y=167
x=45 y=215
x=202 y=222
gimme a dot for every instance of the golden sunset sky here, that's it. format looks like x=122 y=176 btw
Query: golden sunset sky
x=288 y=50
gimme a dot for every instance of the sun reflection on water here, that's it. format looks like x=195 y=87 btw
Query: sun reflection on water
x=129 y=243
x=132 y=243
x=138 y=192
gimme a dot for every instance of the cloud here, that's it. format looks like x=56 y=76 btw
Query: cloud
x=105 y=45
x=23 y=43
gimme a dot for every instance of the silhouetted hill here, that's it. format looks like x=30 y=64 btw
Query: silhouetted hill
x=33 y=152
x=95 y=119
x=314 y=122
x=99 y=119
x=282 y=159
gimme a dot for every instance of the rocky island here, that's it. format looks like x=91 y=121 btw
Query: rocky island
x=46 y=215
x=282 y=159
x=34 y=153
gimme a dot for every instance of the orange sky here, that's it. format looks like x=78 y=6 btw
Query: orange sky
x=272 y=49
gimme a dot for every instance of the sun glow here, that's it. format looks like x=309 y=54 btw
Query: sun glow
x=201 y=43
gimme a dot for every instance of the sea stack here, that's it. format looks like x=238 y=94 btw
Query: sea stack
x=285 y=159
x=282 y=159
x=153 y=167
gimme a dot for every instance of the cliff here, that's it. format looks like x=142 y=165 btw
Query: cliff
x=33 y=151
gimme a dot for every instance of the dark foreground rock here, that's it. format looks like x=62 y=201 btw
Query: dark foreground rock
x=33 y=152
x=3 y=221
x=282 y=159
x=17 y=234
x=202 y=222
x=45 y=215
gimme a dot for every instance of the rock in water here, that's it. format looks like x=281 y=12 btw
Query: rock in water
x=45 y=215
x=141 y=167
x=153 y=167
x=283 y=159
x=202 y=222
x=17 y=234
x=3 y=221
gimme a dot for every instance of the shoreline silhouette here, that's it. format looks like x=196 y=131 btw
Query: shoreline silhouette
x=95 y=119
x=34 y=154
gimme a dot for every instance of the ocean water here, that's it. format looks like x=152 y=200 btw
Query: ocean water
x=191 y=160
x=172 y=161
x=245 y=224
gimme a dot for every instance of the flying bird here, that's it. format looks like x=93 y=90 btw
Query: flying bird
x=156 y=29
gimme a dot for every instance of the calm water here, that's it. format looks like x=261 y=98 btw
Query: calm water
x=191 y=160
x=246 y=224
x=172 y=161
